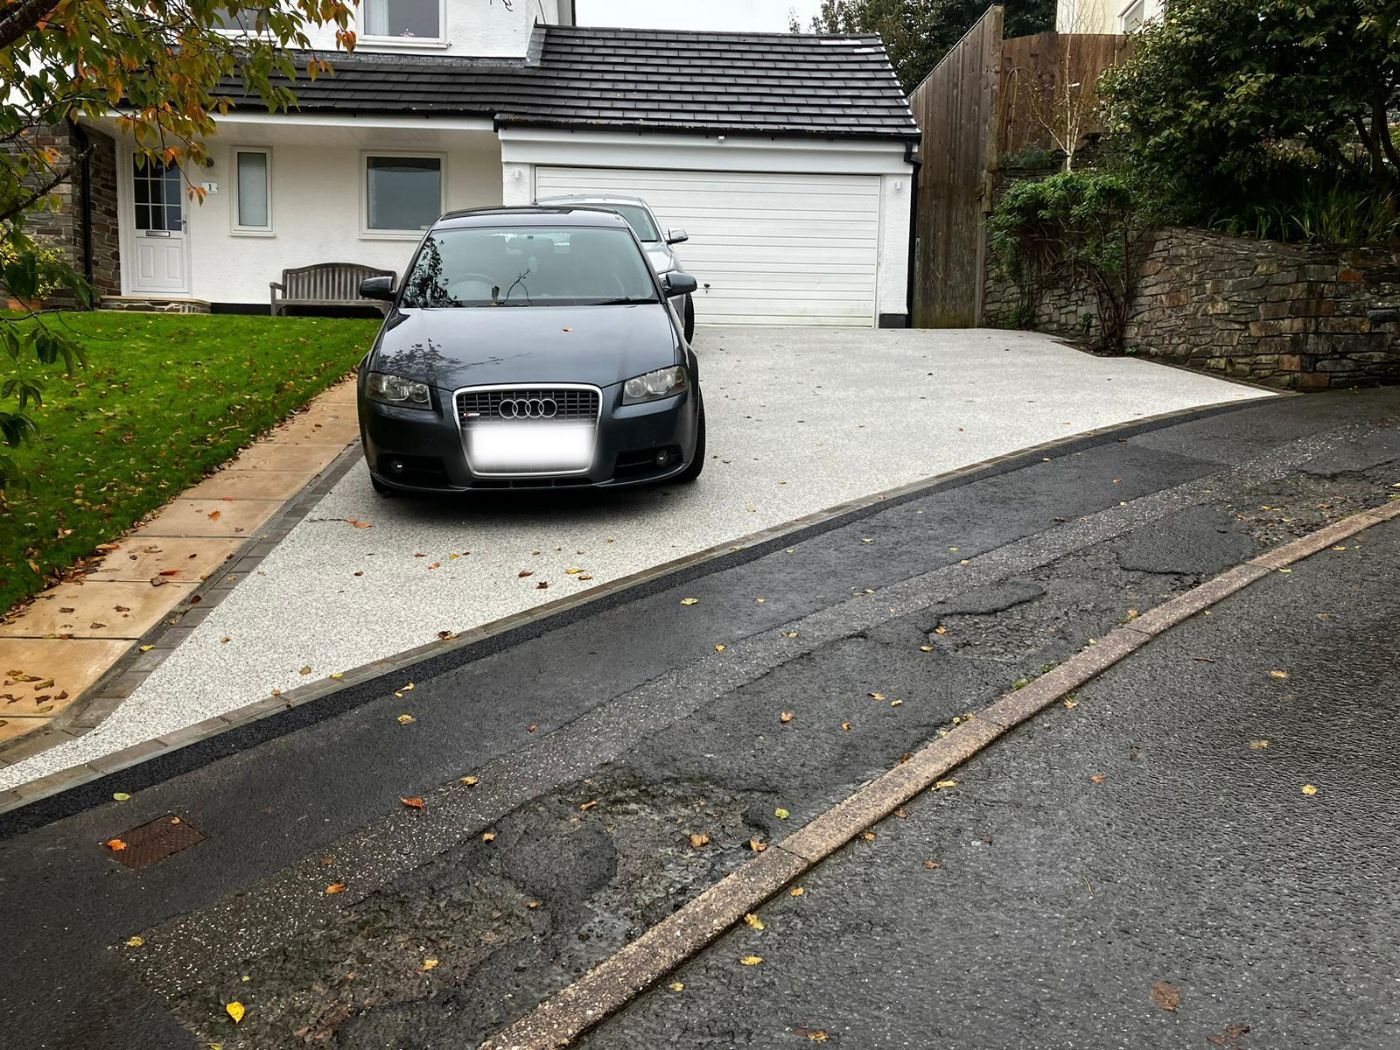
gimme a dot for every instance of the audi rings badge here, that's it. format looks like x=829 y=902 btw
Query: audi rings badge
x=528 y=408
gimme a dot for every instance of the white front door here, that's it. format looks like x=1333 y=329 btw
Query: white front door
x=767 y=248
x=159 y=239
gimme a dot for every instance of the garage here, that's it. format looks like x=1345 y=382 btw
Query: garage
x=768 y=248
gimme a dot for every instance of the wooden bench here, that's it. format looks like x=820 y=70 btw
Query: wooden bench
x=325 y=284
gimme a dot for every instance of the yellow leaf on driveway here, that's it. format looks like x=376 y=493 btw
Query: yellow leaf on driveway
x=751 y=960
x=235 y=1010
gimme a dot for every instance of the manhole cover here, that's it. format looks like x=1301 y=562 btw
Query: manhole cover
x=154 y=841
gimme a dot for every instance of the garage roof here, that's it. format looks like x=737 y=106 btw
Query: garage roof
x=637 y=79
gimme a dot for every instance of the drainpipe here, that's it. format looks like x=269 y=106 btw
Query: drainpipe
x=911 y=158
x=85 y=194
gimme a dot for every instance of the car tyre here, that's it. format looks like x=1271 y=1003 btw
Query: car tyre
x=697 y=461
x=382 y=489
x=688 y=316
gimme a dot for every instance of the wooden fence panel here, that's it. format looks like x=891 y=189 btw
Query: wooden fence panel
x=956 y=110
x=1046 y=91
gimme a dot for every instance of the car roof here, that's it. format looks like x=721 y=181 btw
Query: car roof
x=595 y=198
x=531 y=215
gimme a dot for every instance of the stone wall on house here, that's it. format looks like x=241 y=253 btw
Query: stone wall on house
x=62 y=226
x=1290 y=316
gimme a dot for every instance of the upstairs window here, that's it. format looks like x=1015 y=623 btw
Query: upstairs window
x=406 y=19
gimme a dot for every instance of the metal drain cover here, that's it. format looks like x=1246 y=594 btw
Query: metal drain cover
x=154 y=841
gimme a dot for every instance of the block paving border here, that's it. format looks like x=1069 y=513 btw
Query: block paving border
x=197 y=546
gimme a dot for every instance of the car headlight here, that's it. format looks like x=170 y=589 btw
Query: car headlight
x=396 y=390
x=664 y=382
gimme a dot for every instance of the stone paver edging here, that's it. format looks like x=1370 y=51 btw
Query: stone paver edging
x=613 y=983
x=71 y=644
x=131 y=669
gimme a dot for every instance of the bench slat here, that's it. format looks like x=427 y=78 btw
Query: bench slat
x=326 y=284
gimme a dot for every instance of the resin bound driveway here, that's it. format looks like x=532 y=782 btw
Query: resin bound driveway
x=800 y=420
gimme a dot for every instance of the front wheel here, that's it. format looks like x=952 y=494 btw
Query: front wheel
x=697 y=462
x=688 y=317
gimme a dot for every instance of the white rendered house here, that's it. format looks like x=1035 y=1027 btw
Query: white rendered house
x=788 y=160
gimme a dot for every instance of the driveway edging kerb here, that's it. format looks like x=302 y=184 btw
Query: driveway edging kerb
x=327 y=697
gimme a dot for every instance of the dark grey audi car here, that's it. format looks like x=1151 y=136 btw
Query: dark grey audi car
x=530 y=348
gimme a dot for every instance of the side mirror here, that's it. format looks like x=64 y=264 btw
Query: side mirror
x=377 y=288
x=676 y=236
x=678 y=283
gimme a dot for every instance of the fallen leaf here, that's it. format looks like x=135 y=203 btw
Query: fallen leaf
x=1278 y=674
x=933 y=865
x=305 y=669
x=412 y=802
x=588 y=805
x=1231 y=1036
x=1258 y=745
x=121 y=796
x=1165 y=995
x=846 y=726
x=470 y=781
x=697 y=840
x=940 y=629
x=115 y=845
x=796 y=891
x=945 y=785
x=751 y=960
x=405 y=720
x=525 y=572
x=531 y=727
x=135 y=942
x=876 y=696
x=446 y=636
x=358 y=523
x=572 y=572
x=1310 y=789
x=690 y=601
x=925 y=648
x=676 y=986
x=753 y=921
x=719 y=648
x=785 y=717
x=488 y=836
x=337 y=675
x=215 y=515
x=235 y=1010
x=781 y=813
x=869 y=836
x=1099 y=778
x=429 y=964
x=168 y=572
x=757 y=845
x=543 y=585
x=1071 y=703
x=816 y=1035
x=896 y=703
x=335 y=888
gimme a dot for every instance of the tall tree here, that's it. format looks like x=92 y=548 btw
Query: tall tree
x=918 y=33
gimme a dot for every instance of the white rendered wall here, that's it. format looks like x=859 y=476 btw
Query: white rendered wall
x=472 y=27
x=317 y=192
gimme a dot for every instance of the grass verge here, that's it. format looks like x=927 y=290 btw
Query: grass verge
x=164 y=399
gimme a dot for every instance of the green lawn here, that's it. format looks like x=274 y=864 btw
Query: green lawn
x=163 y=400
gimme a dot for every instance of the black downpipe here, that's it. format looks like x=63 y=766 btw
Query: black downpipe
x=85 y=195
x=911 y=158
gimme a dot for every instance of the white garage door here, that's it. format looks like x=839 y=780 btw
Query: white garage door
x=766 y=248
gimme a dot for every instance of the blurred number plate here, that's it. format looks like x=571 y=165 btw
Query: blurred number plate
x=529 y=447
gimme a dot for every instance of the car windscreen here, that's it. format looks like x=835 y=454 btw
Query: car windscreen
x=640 y=220
x=528 y=266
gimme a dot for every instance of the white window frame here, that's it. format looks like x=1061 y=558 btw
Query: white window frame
x=403 y=43
x=235 y=227
x=368 y=234
x=1133 y=6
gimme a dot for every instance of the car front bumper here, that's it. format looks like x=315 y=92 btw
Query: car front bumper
x=424 y=450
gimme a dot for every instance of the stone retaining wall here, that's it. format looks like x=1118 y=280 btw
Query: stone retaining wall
x=1286 y=315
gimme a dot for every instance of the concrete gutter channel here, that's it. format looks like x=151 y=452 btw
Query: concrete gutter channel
x=613 y=983
x=73 y=790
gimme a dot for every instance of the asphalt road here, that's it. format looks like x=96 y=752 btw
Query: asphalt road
x=631 y=712
x=800 y=420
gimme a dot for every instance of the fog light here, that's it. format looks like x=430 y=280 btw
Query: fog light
x=663 y=457
x=396 y=465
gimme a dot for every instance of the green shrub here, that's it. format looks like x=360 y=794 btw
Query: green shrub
x=1083 y=229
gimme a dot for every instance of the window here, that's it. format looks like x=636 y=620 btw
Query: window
x=639 y=219
x=245 y=21
x=156 y=190
x=252 y=191
x=418 y=19
x=1132 y=17
x=528 y=266
x=402 y=194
